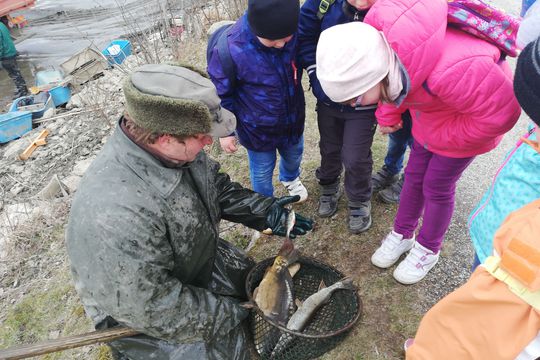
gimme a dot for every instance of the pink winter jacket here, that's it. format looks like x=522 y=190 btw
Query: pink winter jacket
x=461 y=97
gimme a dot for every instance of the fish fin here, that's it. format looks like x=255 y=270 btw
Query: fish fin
x=247 y=305
x=298 y=303
x=293 y=269
x=255 y=292
x=322 y=285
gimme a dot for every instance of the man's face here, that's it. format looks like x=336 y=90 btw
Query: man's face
x=361 y=4
x=278 y=44
x=182 y=150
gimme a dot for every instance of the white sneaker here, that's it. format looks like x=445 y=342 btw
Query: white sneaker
x=392 y=247
x=416 y=265
x=296 y=187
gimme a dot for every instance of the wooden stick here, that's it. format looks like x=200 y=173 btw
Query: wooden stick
x=38 y=141
x=70 y=342
x=71 y=113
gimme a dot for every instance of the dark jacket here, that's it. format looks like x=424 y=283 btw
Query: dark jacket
x=7 y=48
x=309 y=30
x=267 y=99
x=143 y=243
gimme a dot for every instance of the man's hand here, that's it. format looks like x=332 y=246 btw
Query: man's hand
x=229 y=144
x=390 y=129
x=276 y=218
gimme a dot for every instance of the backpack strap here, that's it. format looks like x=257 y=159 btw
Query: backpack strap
x=225 y=58
x=492 y=266
x=324 y=5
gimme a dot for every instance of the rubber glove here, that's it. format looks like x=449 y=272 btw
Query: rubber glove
x=276 y=218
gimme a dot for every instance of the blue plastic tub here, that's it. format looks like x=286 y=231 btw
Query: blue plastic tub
x=117 y=51
x=13 y=125
x=35 y=104
x=60 y=95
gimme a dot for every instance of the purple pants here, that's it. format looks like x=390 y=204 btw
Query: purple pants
x=429 y=187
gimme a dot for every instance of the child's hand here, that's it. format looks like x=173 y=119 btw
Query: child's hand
x=228 y=144
x=390 y=129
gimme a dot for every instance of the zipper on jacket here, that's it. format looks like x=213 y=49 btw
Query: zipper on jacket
x=491 y=188
x=472 y=11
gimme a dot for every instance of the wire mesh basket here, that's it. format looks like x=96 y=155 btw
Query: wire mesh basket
x=328 y=326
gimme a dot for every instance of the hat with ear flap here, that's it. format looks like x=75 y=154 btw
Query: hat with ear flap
x=351 y=59
x=527 y=80
x=174 y=100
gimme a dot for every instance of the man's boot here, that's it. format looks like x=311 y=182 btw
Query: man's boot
x=359 y=216
x=328 y=201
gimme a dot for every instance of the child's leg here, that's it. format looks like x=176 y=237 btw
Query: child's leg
x=261 y=169
x=291 y=157
x=439 y=190
x=330 y=144
x=397 y=145
x=358 y=135
x=411 y=202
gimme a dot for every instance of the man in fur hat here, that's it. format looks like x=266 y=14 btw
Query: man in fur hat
x=143 y=234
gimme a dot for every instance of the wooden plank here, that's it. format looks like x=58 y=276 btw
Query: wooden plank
x=38 y=141
x=66 y=343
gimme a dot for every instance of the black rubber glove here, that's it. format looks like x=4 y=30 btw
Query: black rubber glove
x=276 y=218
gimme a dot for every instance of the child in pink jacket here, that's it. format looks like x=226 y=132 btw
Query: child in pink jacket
x=458 y=89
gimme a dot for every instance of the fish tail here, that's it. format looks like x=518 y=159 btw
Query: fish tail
x=288 y=251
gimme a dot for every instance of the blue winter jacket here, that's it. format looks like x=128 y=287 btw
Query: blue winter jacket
x=309 y=30
x=267 y=99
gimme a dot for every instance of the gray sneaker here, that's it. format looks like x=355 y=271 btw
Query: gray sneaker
x=359 y=217
x=383 y=179
x=328 y=201
x=391 y=194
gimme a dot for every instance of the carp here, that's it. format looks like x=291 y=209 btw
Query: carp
x=307 y=309
x=274 y=296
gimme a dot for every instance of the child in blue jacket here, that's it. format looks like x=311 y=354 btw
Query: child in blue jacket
x=267 y=96
x=518 y=180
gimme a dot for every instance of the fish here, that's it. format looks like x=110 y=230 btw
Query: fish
x=307 y=309
x=274 y=296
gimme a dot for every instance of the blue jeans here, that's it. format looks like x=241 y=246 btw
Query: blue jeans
x=262 y=164
x=397 y=145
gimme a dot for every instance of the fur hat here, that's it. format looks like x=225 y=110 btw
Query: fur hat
x=527 y=80
x=273 y=19
x=351 y=59
x=175 y=100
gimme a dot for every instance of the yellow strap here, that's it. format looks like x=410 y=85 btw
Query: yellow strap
x=492 y=266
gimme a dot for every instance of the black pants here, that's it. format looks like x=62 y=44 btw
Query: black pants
x=10 y=64
x=345 y=141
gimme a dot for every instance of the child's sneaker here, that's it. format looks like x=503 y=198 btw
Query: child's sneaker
x=392 y=247
x=390 y=195
x=382 y=179
x=408 y=343
x=416 y=265
x=296 y=187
